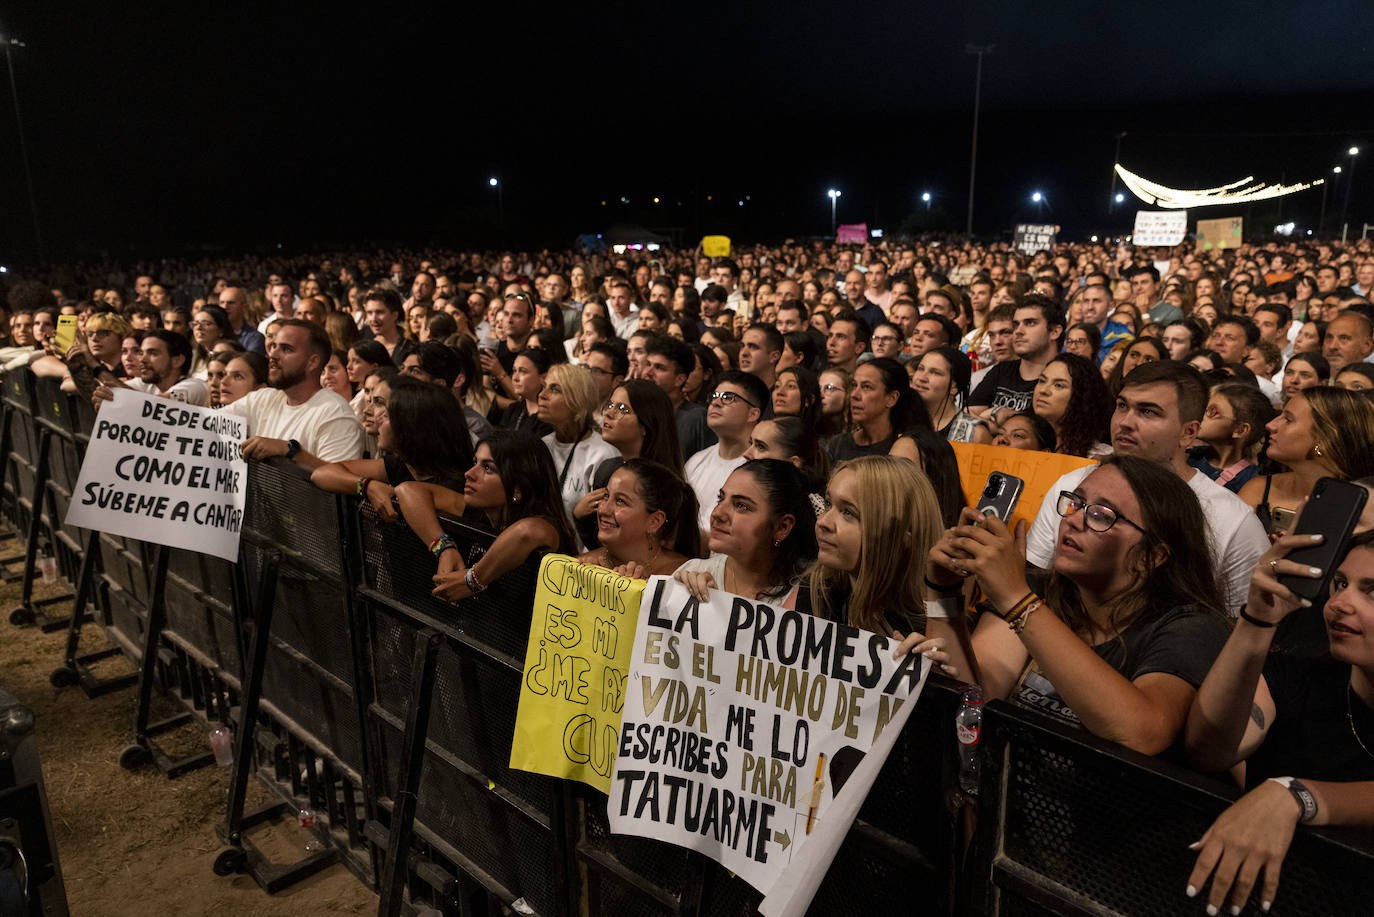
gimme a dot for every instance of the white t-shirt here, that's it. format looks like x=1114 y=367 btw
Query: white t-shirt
x=586 y=455
x=271 y=317
x=627 y=324
x=706 y=473
x=1234 y=533
x=325 y=425
x=189 y=390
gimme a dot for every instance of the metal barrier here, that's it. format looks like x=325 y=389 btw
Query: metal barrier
x=1073 y=825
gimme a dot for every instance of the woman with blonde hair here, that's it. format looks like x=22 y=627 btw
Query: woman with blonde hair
x=882 y=513
x=568 y=402
x=1320 y=432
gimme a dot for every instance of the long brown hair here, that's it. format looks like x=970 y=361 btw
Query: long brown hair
x=1173 y=522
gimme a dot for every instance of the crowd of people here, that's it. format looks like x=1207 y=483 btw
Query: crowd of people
x=778 y=424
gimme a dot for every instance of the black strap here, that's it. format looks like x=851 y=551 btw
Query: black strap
x=1245 y=615
x=562 y=475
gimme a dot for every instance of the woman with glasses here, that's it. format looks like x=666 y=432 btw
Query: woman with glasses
x=209 y=325
x=1083 y=341
x=1127 y=624
x=835 y=386
x=639 y=423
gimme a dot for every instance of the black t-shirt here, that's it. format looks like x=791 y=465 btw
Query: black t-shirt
x=692 y=431
x=397 y=472
x=842 y=447
x=893 y=620
x=1182 y=641
x=516 y=416
x=1004 y=387
x=1312 y=736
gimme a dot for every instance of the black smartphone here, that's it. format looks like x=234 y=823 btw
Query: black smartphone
x=1000 y=495
x=1331 y=511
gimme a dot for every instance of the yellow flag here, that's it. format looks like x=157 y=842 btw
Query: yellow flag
x=715 y=246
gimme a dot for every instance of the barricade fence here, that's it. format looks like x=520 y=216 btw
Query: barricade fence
x=387 y=715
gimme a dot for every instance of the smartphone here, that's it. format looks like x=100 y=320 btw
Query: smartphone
x=1332 y=510
x=1000 y=495
x=66 y=333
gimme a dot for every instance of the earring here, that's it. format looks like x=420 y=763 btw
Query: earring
x=776 y=543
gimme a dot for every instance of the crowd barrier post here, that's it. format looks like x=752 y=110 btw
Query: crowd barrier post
x=145 y=749
x=9 y=494
x=30 y=874
x=423 y=671
x=20 y=444
x=76 y=666
x=31 y=611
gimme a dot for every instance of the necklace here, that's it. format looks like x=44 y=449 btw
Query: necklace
x=1350 y=718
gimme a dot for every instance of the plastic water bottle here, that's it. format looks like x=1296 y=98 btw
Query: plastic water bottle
x=220 y=744
x=968 y=728
x=306 y=817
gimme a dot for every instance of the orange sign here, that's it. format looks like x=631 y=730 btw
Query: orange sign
x=1038 y=469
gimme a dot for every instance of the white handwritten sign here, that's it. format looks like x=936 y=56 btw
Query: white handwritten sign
x=1160 y=227
x=165 y=472
x=751 y=733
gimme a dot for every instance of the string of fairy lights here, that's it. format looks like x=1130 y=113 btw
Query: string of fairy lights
x=1243 y=191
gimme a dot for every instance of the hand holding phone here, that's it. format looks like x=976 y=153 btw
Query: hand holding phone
x=1000 y=495
x=1331 y=511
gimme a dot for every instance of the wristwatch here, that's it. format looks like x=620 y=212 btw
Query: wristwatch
x=292 y=448
x=1302 y=794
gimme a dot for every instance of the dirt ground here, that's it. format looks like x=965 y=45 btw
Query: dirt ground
x=138 y=844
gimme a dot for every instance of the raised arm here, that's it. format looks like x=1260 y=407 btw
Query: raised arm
x=509 y=551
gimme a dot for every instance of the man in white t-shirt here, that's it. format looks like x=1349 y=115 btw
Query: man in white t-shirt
x=164 y=358
x=295 y=417
x=1157 y=416
x=736 y=406
x=282 y=299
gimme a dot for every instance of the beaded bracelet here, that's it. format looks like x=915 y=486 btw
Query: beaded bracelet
x=474 y=586
x=442 y=544
x=362 y=486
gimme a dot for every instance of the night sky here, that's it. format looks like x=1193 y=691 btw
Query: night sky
x=171 y=126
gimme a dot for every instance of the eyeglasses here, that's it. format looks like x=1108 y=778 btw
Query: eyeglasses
x=884 y=339
x=728 y=398
x=621 y=407
x=1215 y=413
x=832 y=387
x=1099 y=518
x=203 y=324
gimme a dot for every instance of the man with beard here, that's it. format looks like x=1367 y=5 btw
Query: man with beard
x=164 y=359
x=294 y=416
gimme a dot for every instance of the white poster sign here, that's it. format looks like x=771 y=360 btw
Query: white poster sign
x=752 y=734
x=165 y=472
x=1159 y=227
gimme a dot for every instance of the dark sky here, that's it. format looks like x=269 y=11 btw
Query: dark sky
x=174 y=125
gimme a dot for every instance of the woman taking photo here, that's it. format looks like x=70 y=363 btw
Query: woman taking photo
x=1320 y=432
x=1072 y=398
x=568 y=404
x=762 y=536
x=941 y=380
x=1127 y=625
x=647 y=525
x=881 y=407
x=512 y=487
x=419 y=437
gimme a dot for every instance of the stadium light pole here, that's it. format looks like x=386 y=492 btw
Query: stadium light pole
x=1321 y=220
x=7 y=42
x=1116 y=157
x=834 y=196
x=979 y=50
x=1349 y=180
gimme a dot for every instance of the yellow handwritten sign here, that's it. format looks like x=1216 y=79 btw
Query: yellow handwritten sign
x=1038 y=469
x=573 y=691
x=715 y=246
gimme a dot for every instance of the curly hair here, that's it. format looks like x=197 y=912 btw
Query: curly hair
x=1088 y=417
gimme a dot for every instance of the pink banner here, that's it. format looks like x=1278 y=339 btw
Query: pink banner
x=852 y=232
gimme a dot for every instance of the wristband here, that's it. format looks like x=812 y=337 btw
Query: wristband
x=442 y=544
x=940 y=608
x=362 y=486
x=1019 y=622
x=1246 y=616
x=1014 y=611
x=474 y=586
x=1302 y=794
x=939 y=589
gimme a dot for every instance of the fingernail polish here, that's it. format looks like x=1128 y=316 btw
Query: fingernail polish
x=1316 y=538
x=1306 y=603
x=1192 y=892
x=1235 y=910
x=1211 y=910
x=1264 y=906
x=1315 y=571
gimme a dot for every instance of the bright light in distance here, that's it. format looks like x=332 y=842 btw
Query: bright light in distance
x=655 y=200
x=3 y=269
x=833 y=193
x=926 y=197
x=1354 y=151
x=1120 y=198
x=1335 y=170
x=741 y=203
x=1093 y=239
x=492 y=182
x=1036 y=197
